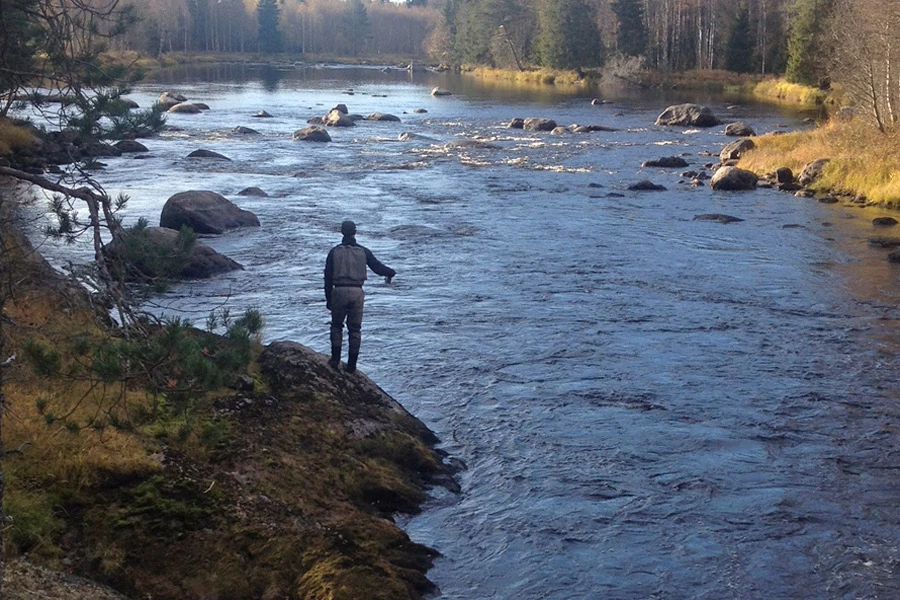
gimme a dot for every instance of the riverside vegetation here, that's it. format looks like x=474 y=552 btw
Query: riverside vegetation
x=176 y=463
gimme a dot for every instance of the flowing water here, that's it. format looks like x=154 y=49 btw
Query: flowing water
x=648 y=405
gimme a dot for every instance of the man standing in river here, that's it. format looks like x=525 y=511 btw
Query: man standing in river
x=345 y=273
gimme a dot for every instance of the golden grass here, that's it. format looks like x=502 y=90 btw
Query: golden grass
x=529 y=77
x=14 y=138
x=782 y=90
x=863 y=161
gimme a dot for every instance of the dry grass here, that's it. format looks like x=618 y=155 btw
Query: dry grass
x=528 y=77
x=14 y=138
x=863 y=161
x=783 y=91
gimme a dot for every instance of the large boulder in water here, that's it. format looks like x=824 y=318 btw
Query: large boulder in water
x=733 y=179
x=155 y=252
x=688 y=115
x=204 y=212
x=312 y=133
x=336 y=118
x=538 y=124
x=170 y=99
x=739 y=130
x=666 y=162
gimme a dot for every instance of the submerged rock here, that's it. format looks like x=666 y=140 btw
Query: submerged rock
x=688 y=115
x=646 y=186
x=668 y=162
x=884 y=221
x=718 y=217
x=201 y=153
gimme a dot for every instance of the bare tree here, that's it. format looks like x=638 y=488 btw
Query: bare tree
x=867 y=42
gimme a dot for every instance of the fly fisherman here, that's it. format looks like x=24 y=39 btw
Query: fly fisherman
x=345 y=273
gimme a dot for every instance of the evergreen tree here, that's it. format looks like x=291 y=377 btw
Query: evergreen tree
x=739 y=56
x=808 y=52
x=19 y=40
x=631 y=35
x=356 y=27
x=477 y=23
x=267 y=17
x=569 y=37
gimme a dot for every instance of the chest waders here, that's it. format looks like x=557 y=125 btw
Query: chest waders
x=347 y=301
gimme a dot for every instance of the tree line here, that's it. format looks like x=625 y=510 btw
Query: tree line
x=758 y=36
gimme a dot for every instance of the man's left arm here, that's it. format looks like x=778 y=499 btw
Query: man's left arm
x=379 y=268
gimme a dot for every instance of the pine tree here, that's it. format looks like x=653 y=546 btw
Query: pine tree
x=267 y=17
x=356 y=26
x=569 y=37
x=739 y=55
x=631 y=35
x=808 y=54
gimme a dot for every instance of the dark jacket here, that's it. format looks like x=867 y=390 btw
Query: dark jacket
x=371 y=262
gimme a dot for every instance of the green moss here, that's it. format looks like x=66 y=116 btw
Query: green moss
x=34 y=523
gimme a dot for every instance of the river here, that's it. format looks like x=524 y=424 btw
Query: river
x=648 y=405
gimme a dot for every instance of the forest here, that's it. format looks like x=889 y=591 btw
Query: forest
x=798 y=39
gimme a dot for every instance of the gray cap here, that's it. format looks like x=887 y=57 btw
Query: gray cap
x=348 y=228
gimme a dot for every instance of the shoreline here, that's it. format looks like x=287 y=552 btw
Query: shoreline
x=354 y=457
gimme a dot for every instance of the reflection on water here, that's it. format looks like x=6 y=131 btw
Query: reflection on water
x=650 y=406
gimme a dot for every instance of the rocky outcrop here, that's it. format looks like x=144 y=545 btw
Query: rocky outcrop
x=739 y=130
x=204 y=212
x=733 y=179
x=241 y=130
x=262 y=115
x=688 y=115
x=313 y=133
x=666 y=162
x=736 y=149
x=812 y=171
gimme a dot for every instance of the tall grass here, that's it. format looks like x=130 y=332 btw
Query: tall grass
x=793 y=93
x=14 y=137
x=863 y=161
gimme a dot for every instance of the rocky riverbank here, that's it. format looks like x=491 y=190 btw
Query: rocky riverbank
x=284 y=486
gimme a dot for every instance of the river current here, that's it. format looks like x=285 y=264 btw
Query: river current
x=647 y=405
